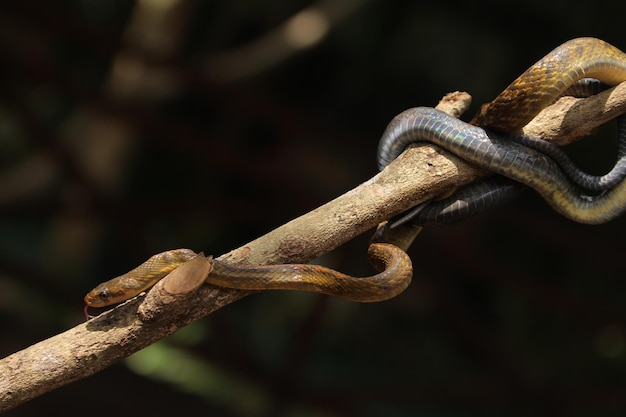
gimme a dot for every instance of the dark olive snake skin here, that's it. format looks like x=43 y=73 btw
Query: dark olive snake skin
x=501 y=156
x=511 y=155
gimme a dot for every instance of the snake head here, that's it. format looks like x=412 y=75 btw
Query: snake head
x=104 y=295
x=100 y=296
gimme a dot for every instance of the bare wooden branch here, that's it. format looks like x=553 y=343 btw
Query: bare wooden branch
x=570 y=118
x=418 y=174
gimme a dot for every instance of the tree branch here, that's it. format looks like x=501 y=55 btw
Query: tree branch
x=418 y=174
x=570 y=119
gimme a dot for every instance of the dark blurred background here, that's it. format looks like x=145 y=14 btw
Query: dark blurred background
x=128 y=128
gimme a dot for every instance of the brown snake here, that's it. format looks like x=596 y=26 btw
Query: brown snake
x=546 y=80
x=539 y=86
x=394 y=263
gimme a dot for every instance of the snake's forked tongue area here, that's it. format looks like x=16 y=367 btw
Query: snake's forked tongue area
x=87 y=316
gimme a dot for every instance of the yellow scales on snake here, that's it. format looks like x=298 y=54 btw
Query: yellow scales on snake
x=535 y=89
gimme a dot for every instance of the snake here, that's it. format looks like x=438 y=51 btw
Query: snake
x=539 y=86
x=516 y=156
x=546 y=80
x=390 y=259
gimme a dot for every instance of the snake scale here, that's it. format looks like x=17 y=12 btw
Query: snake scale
x=536 y=88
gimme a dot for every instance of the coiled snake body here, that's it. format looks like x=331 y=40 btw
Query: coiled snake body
x=504 y=154
x=524 y=98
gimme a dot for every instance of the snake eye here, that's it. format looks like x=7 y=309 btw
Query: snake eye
x=104 y=295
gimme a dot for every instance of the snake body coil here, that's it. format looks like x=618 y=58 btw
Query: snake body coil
x=501 y=156
x=537 y=87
